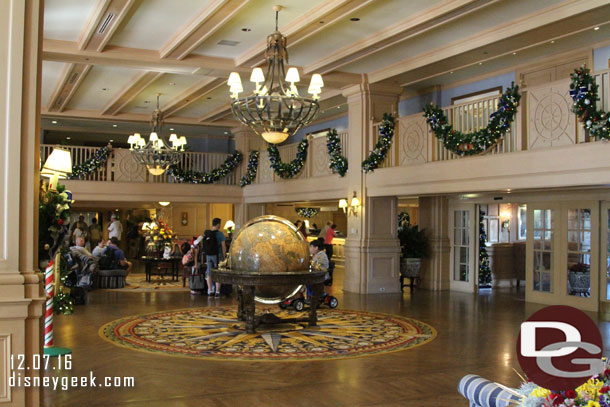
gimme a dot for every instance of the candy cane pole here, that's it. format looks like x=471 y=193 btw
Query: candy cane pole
x=48 y=317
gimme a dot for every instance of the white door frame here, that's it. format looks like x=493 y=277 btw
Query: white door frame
x=559 y=266
x=471 y=285
x=603 y=252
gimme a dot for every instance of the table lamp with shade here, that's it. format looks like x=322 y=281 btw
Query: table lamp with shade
x=229 y=227
x=57 y=166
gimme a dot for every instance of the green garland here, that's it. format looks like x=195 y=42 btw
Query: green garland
x=386 y=132
x=252 y=169
x=584 y=93
x=307 y=212
x=53 y=218
x=479 y=141
x=91 y=165
x=337 y=162
x=196 y=177
x=288 y=170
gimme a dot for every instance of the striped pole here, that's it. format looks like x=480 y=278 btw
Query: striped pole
x=48 y=318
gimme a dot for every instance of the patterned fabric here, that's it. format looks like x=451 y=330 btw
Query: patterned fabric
x=483 y=393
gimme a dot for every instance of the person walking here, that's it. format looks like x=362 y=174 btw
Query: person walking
x=95 y=232
x=215 y=250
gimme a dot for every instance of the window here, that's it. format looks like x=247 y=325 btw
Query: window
x=461 y=246
x=579 y=252
x=522 y=222
x=543 y=249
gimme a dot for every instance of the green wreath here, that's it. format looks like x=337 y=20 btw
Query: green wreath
x=252 y=169
x=196 y=177
x=376 y=157
x=337 y=162
x=584 y=93
x=288 y=170
x=478 y=142
x=91 y=165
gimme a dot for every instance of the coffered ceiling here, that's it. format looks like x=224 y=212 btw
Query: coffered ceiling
x=105 y=60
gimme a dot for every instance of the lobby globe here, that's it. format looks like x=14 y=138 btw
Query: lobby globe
x=269 y=244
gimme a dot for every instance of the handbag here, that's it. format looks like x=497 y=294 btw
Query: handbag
x=197 y=282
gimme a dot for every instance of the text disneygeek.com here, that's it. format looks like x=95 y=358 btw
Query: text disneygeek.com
x=20 y=377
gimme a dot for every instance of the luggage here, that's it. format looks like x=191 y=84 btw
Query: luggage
x=197 y=282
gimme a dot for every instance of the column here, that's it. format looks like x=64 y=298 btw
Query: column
x=372 y=250
x=434 y=218
x=21 y=296
x=245 y=141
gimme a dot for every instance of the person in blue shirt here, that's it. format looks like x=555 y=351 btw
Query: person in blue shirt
x=119 y=255
x=213 y=260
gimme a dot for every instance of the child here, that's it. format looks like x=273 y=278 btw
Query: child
x=319 y=260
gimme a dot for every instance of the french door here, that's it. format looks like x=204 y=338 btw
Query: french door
x=562 y=256
x=463 y=239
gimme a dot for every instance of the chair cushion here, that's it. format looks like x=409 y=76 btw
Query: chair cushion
x=113 y=273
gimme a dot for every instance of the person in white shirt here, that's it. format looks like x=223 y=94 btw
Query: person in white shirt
x=98 y=251
x=115 y=229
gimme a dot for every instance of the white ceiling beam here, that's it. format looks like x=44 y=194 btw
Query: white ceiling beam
x=211 y=18
x=304 y=27
x=71 y=77
x=149 y=60
x=131 y=117
x=192 y=94
x=103 y=23
x=417 y=24
x=136 y=85
x=524 y=26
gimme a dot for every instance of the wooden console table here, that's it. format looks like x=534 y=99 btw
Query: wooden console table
x=174 y=264
x=246 y=283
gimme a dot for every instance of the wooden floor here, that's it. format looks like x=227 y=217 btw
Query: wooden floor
x=476 y=334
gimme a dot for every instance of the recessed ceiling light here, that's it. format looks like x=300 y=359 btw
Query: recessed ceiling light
x=514 y=53
x=480 y=63
x=115 y=125
x=354 y=19
x=226 y=132
x=245 y=29
x=111 y=141
x=596 y=28
x=338 y=107
x=54 y=121
x=553 y=42
x=68 y=138
x=171 y=129
x=450 y=73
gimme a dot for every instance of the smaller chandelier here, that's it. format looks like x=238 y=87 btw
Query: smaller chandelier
x=156 y=155
x=276 y=110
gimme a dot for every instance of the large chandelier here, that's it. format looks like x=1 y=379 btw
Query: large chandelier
x=275 y=110
x=156 y=155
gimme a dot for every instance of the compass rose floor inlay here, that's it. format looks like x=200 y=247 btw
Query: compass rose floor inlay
x=215 y=333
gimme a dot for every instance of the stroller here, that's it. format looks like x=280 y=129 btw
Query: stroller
x=298 y=302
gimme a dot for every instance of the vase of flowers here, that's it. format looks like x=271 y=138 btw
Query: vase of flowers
x=158 y=236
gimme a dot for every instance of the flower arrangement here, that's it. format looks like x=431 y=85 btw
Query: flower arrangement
x=158 y=235
x=594 y=393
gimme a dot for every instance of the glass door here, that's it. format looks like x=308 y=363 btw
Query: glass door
x=562 y=254
x=605 y=255
x=541 y=253
x=463 y=247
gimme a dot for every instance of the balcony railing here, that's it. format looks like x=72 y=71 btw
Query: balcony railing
x=544 y=120
x=121 y=167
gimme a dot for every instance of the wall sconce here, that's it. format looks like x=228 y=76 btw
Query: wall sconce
x=164 y=203
x=354 y=204
x=505 y=217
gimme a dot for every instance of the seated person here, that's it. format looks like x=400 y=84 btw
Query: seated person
x=98 y=250
x=319 y=260
x=119 y=256
x=79 y=247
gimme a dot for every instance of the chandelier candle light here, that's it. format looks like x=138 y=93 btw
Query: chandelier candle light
x=156 y=155
x=275 y=110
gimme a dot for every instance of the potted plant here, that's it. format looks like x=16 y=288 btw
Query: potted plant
x=414 y=247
